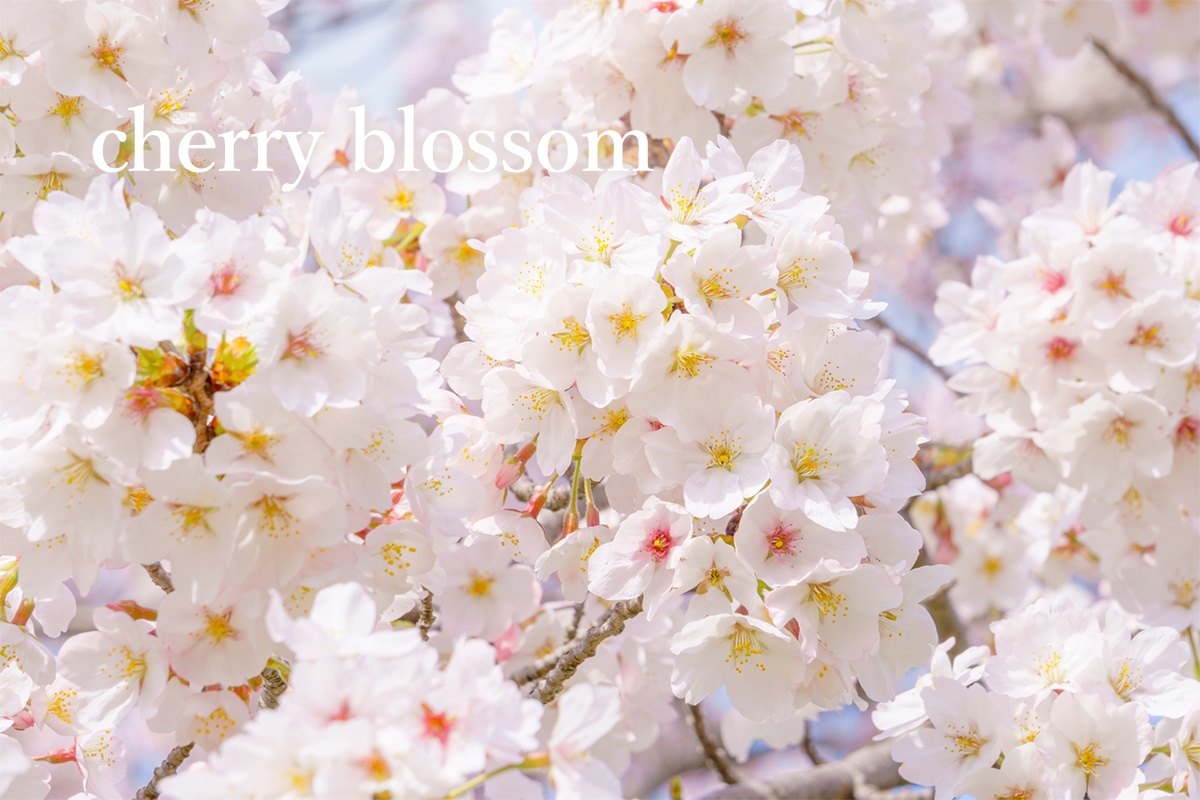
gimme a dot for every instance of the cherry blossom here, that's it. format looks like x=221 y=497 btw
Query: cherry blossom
x=395 y=482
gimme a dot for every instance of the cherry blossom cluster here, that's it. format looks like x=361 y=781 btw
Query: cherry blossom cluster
x=71 y=70
x=231 y=385
x=693 y=345
x=867 y=91
x=1071 y=701
x=1065 y=27
x=1045 y=90
x=997 y=536
x=1082 y=358
x=116 y=361
x=473 y=480
x=376 y=711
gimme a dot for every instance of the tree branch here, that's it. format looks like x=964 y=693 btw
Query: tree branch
x=912 y=347
x=868 y=767
x=425 y=621
x=160 y=576
x=168 y=767
x=198 y=386
x=273 y=687
x=539 y=668
x=714 y=755
x=809 y=746
x=576 y=618
x=611 y=624
x=1150 y=94
x=943 y=463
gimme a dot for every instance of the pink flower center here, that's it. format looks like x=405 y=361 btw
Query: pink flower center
x=658 y=544
x=1052 y=281
x=226 y=280
x=781 y=541
x=1187 y=431
x=1059 y=349
x=1183 y=225
x=437 y=725
x=141 y=400
x=1118 y=431
x=1113 y=285
x=303 y=345
x=1147 y=337
x=726 y=34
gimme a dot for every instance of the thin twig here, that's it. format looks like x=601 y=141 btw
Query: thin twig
x=160 y=576
x=912 y=347
x=538 y=669
x=945 y=618
x=943 y=463
x=714 y=755
x=168 y=767
x=610 y=624
x=1151 y=95
x=809 y=746
x=542 y=666
x=425 y=621
x=576 y=618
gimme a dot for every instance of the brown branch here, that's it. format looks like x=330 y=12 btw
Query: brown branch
x=809 y=746
x=576 y=618
x=425 y=621
x=714 y=755
x=168 y=767
x=538 y=669
x=1151 y=95
x=542 y=666
x=943 y=463
x=866 y=791
x=912 y=347
x=610 y=624
x=198 y=386
x=869 y=766
x=945 y=618
x=160 y=576
x=523 y=489
x=558 y=498
x=722 y=123
x=273 y=687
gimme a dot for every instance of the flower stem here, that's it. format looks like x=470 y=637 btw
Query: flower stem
x=1187 y=632
x=575 y=459
x=533 y=762
x=1150 y=94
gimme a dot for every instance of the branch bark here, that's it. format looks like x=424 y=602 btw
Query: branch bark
x=160 y=576
x=425 y=621
x=168 y=767
x=198 y=386
x=943 y=463
x=1150 y=94
x=714 y=756
x=868 y=768
x=912 y=347
x=273 y=687
x=611 y=624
